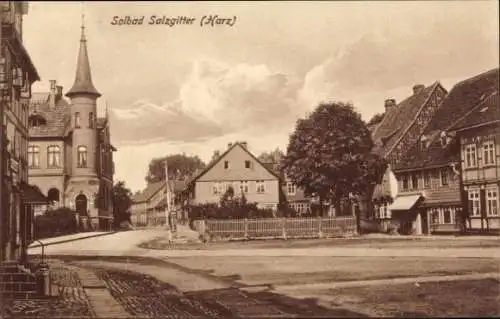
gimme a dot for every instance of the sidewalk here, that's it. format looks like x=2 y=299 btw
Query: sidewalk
x=103 y=304
x=68 y=238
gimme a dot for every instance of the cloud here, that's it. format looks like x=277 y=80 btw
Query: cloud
x=216 y=99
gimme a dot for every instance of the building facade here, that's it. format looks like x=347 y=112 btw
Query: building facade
x=149 y=207
x=17 y=74
x=238 y=168
x=399 y=131
x=479 y=141
x=70 y=155
x=430 y=177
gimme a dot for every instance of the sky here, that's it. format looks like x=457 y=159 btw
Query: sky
x=193 y=89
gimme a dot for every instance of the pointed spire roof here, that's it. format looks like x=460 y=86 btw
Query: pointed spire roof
x=83 y=78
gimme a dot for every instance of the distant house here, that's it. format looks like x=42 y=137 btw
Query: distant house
x=295 y=197
x=238 y=168
x=428 y=177
x=149 y=206
x=399 y=131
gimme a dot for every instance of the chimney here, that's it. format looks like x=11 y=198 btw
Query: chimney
x=389 y=104
x=417 y=88
x=229 y=145
x=52 y=94
x=244 y=144
x=59 y=90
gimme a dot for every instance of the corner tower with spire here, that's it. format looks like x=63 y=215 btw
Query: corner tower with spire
x=83 y=95
x=83 y=188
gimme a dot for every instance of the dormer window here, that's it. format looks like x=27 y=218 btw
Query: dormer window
x=36 y=120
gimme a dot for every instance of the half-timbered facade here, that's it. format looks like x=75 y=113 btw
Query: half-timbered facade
x=479 y=138
x=429 y=176
x=400 y=130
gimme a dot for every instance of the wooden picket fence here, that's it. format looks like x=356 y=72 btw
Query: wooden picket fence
x=308 y=227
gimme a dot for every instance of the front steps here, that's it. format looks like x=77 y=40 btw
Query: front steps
x=16 y=282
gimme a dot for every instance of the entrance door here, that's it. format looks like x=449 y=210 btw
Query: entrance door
x=81 y=205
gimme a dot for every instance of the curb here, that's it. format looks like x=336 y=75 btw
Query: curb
x=70 y=240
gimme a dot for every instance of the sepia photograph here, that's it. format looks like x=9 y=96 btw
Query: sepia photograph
x=239 y=159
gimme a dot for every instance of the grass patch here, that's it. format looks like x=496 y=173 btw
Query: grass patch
x=467 y=298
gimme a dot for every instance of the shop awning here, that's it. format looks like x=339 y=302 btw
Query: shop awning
x=404 y=202
x=32 y=195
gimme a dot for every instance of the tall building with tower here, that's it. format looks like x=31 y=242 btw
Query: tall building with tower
x=70 y=155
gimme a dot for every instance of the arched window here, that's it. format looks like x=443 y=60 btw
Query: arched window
x=33 y=156
x=77 y=119
x=53 y=156
x=81 y=156
x=91 y=120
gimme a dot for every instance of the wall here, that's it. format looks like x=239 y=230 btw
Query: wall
x=234 y=175
x=481 y=172
x=205 y=194
x=481 y=177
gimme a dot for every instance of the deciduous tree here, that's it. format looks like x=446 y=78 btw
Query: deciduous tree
x=329 y=154
x=180 y=166
x=122 y=200
x=271 y=157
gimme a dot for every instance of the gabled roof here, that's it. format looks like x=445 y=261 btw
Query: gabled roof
x=148 y=192
x=486 y=113
x=395 y=122
x=459 y=106
x=237 y=144
x=154 y=188
x=463 y=97
x=57 y=118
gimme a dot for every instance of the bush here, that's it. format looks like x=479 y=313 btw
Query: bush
x=214 y=211
x=61 y=221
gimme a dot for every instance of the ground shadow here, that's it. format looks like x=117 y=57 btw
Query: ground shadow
x=144 y=295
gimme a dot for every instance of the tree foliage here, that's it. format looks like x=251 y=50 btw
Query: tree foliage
x=377 y=118
x=272 y=156
x=180 y=167
x=122 y=200
x=61 y=221
x=329 y=154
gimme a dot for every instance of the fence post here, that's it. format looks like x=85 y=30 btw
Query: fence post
x=245 y=225
x=320 y=231
x=283 y=221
